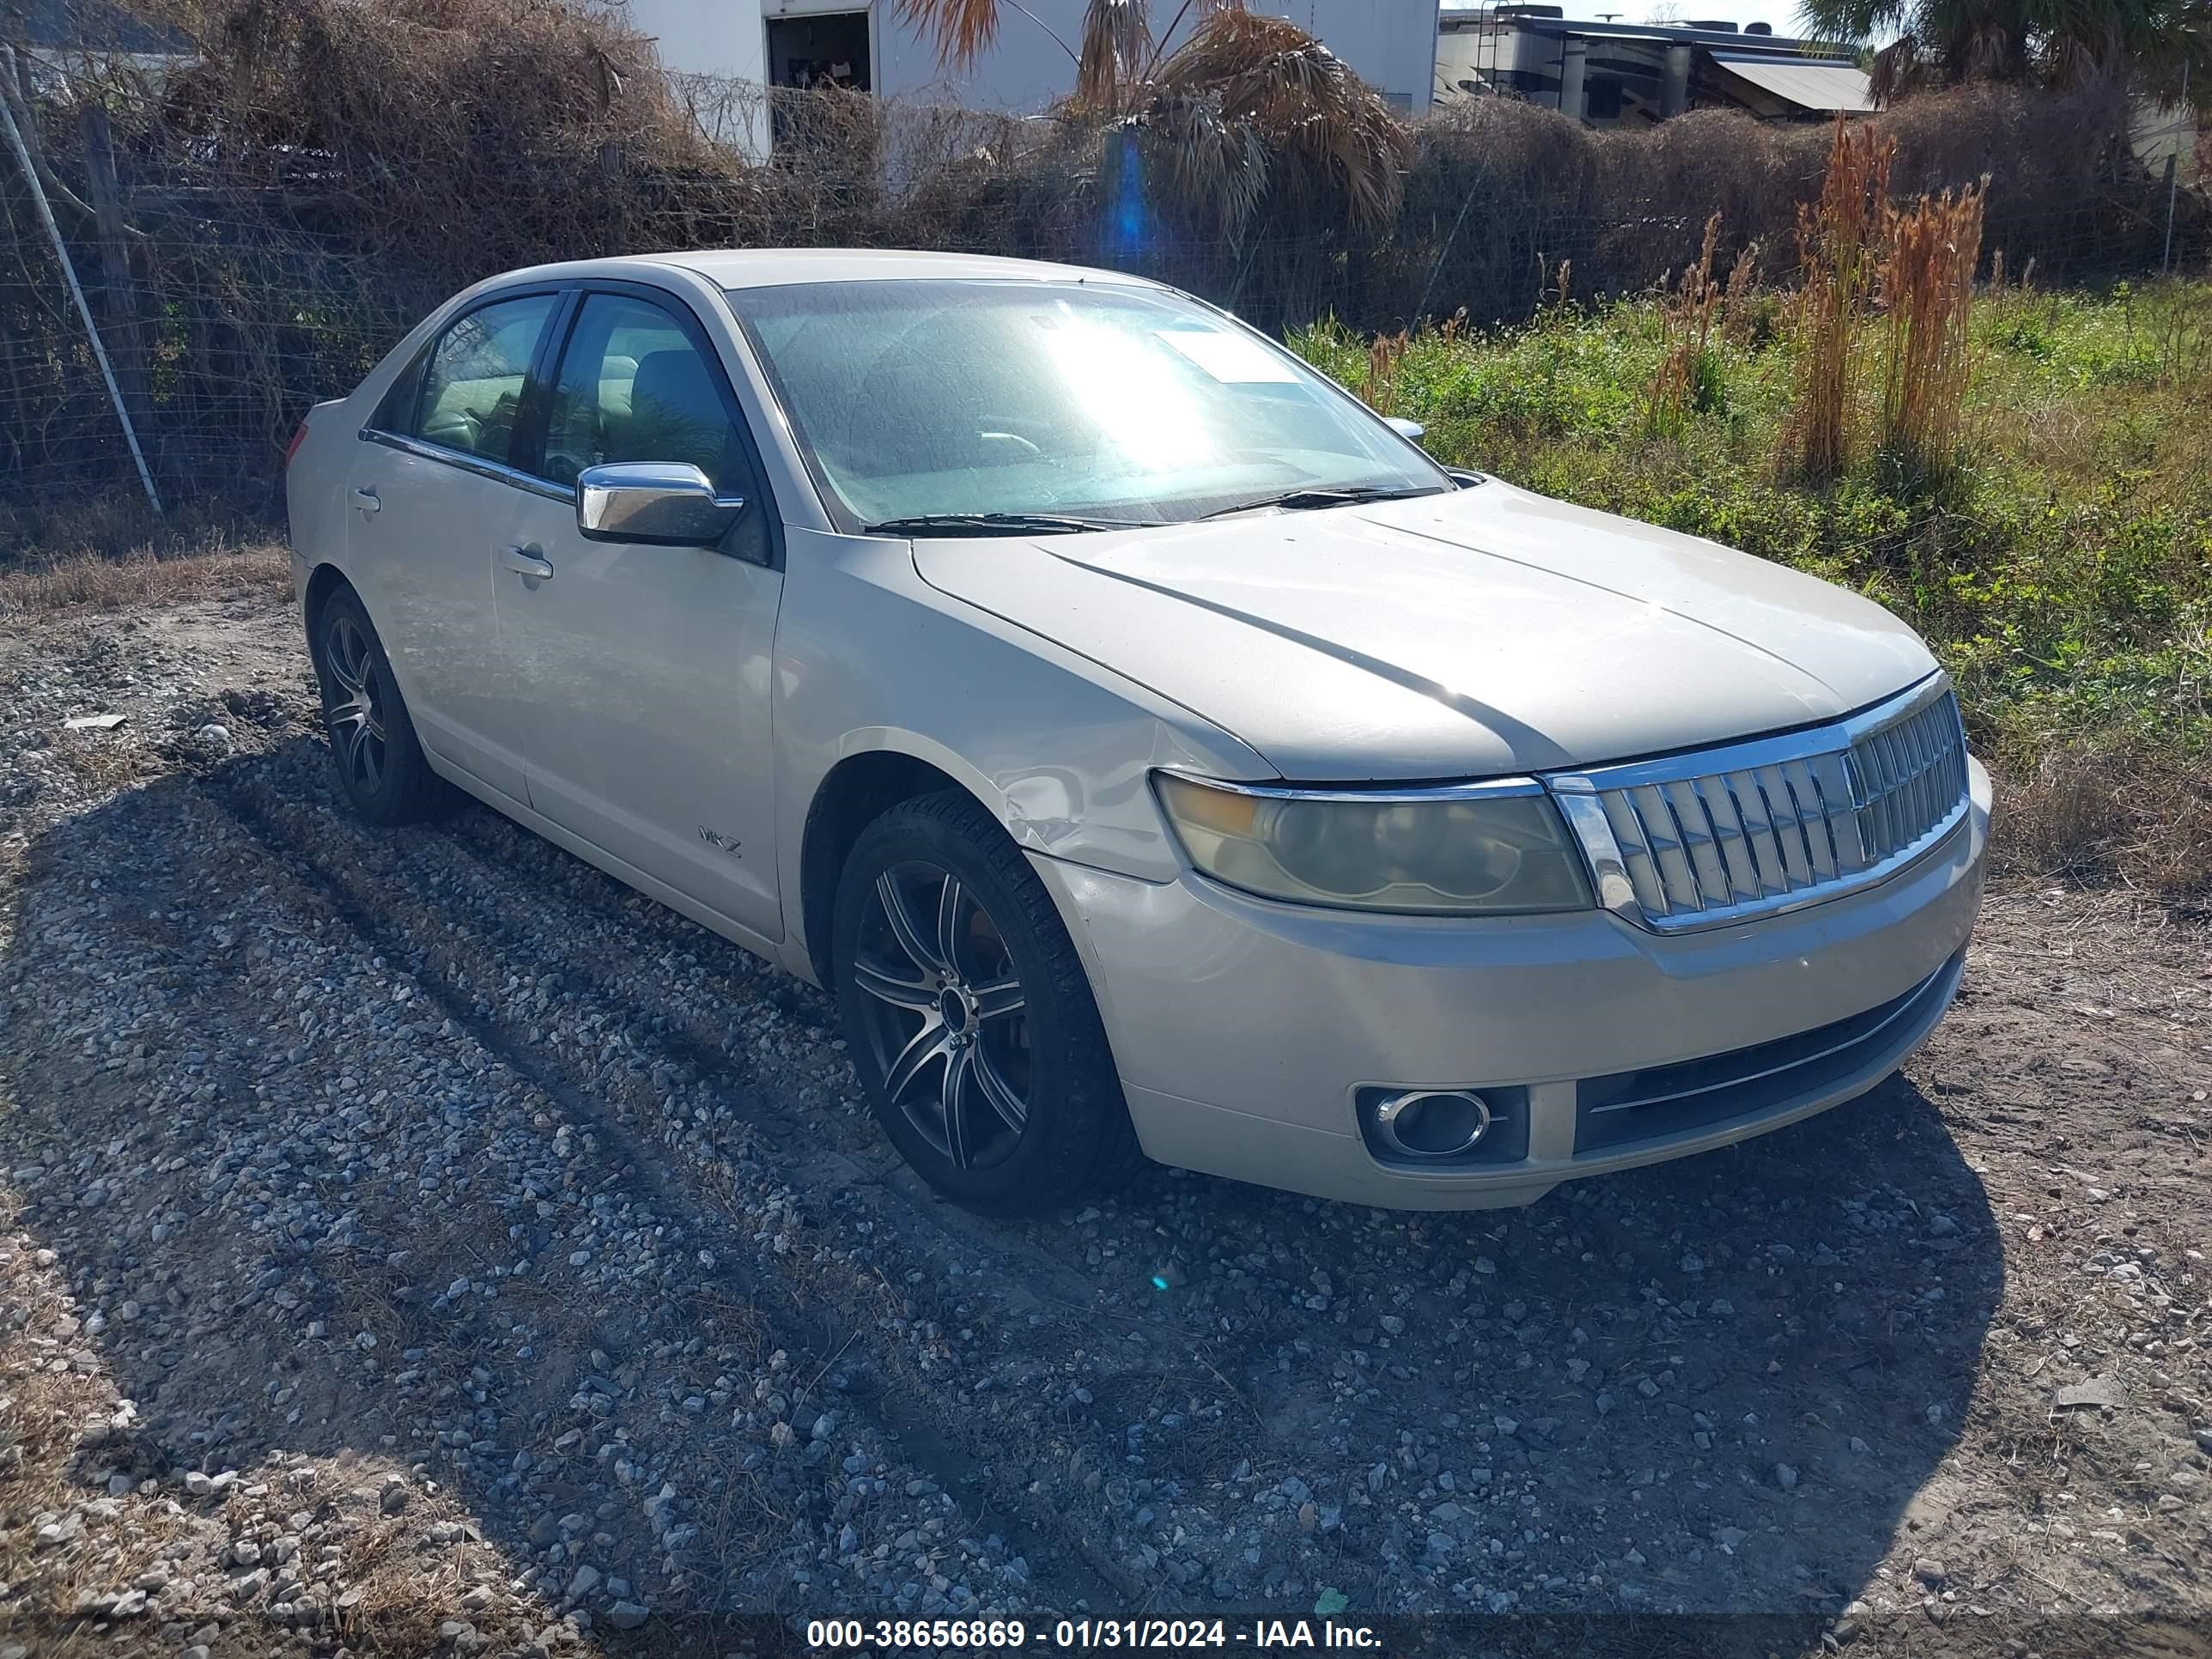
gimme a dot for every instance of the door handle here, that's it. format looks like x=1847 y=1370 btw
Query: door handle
x=524 y=563
x=365 y=498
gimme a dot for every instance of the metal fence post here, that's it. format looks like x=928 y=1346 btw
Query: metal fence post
x=76 y=291
x=126 y=342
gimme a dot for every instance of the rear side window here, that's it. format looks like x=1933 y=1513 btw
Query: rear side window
x=634 y=387
x=472 y=382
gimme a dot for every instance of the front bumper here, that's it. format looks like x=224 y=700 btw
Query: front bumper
x=1244 y=1030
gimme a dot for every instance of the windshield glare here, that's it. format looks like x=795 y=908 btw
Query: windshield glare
x=913 y=398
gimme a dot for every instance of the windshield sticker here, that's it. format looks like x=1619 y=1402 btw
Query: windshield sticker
x=1230 y=358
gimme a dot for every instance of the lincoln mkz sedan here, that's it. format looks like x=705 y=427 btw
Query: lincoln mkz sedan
x=1150 y=748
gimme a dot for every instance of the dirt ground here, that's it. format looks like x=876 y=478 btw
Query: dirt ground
x=414 y=1241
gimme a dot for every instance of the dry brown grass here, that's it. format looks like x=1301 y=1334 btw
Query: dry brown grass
x=87 y=581
x=1927 y=288
x=1740 y=307
x=1839 y=249
x=2093 y=816
x=1379 y=390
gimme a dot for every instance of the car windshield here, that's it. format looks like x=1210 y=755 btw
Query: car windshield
x=1009 y=404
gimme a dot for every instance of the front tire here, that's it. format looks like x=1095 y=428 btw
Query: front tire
x=969 y=1017
x=379 y=762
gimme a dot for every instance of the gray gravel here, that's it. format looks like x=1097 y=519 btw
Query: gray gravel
x=424 y=1219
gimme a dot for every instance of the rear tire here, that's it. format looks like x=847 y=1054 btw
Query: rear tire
x=379 y=763
x=969 y=1017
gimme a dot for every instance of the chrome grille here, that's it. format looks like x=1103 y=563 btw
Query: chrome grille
x=1724 y=834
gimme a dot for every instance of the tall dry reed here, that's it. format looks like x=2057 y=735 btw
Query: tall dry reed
x=1927 y=288
x=1839 y=246
x=1688 y=375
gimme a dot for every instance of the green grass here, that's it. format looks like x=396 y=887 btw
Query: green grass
x=2063 y=573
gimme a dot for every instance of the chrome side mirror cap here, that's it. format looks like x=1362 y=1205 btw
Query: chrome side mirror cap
x=1412 y=431
x=666 y=503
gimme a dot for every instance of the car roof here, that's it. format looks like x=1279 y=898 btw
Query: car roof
x=771 y=267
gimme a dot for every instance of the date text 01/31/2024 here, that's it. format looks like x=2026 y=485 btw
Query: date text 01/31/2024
x=1011 y=1635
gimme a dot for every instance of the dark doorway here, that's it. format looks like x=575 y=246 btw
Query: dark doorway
x=830 y=50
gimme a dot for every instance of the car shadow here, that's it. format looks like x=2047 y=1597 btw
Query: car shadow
x=1732 y=1380
x=1720 y=1385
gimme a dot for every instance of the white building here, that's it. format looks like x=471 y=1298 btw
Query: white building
x=866 y=44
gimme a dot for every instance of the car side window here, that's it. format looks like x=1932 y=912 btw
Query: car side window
x=472 y=383
x=634 y=387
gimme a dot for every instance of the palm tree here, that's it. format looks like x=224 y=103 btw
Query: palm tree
x=1244 y=105
x=2057 y=42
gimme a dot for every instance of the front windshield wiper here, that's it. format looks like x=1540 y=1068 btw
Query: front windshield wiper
x=997 y=523
x=1299 y=501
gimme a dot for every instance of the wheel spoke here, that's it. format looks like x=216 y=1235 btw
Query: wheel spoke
x=927 y=1044
x=911 y=938
x=998 y=998
x=959 y=1076
x=900 y=990
x=984 y=1072
x=948 y=924
x=347 y=655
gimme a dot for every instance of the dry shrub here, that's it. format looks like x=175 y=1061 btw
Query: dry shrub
x=1497 y=182
x=1687 y=374
x=1926 y=287
x=461 y=133
x=2091 y=815
x=1838 y=250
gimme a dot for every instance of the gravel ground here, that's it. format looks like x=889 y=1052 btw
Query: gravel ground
x=415 y=1240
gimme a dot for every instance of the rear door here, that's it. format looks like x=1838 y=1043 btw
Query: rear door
x=646 y=669
x=430 y=489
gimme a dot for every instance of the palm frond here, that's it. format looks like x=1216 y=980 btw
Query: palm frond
x=1328 y=131
x=1214 y=168
x=1117 y=46
x=960 y=28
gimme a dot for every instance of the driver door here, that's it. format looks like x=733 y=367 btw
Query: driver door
x=647 y=667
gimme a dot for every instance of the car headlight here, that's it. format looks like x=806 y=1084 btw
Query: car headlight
x=1488 y=850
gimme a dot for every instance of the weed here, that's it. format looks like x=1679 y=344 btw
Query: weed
x=1689 y=378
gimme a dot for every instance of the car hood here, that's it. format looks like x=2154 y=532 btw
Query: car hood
x=1485 y=631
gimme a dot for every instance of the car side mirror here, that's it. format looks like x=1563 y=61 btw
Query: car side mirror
x=666 y=503
x=1410 y=430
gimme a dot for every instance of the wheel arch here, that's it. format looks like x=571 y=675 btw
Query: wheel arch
x=323 y=580
x=853 y=794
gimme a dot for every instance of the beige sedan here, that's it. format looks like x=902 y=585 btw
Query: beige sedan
x=1151 y=748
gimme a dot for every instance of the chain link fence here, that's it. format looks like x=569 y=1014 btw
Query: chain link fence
x=241 y=262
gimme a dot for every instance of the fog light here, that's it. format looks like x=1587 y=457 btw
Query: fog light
x=1432 y=1122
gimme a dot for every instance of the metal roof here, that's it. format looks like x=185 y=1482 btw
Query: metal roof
x=1460 y=19
x=1812 y=85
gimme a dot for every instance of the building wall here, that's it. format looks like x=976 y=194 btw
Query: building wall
x=1389 y=43
x=724 y=39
